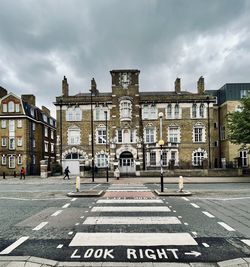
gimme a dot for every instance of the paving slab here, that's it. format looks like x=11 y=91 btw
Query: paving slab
x=170 y=193
x=87 y=193
x=16 y=264
x=42 y=261
x=233 y=263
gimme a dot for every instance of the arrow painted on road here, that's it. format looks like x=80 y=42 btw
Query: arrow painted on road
x=193 y=253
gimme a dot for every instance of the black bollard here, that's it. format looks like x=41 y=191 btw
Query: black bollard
x=14 y=174
x=4 y=175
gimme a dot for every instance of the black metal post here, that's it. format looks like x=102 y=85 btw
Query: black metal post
x=107 y=168
x=61 y=135
x=92 y=138
x=162 y=184
x=4 y=175
x=209 y=142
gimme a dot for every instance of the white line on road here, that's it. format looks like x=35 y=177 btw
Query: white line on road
x=226 y=226
x=132 y=220
x=222 y=199
x=70 y=233
x=185 y=198
x=132 y=239
x=66 y=206
x=246 y=241
x=77 y=224
x=205 y=245
x=32 y=199
x=39 y=226
x=128 y=190
x=208 y=214
x=56 y=213
x=14 y=245
x=82 y=217
x=195 y=206
x=60 y=246
x=185 y=223
x=194 y=233
x=131 y=209
x=100 y=201
x=94 y=186
x=74 y=199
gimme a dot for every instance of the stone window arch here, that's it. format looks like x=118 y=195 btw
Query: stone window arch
x=198 y=156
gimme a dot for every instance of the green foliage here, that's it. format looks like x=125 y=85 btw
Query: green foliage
x=56 y=168
x=238 y=124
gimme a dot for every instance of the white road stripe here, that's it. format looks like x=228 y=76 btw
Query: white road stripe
x=39 y=226
x=195 y=206
x=60 y=246
x=129 y=201
x=246 y=241
x=132 y=239
x=65 y=206
x=132 y=220
x=131 y=209
x=205 y=245
x=194 y=233
x=128 y=190
x=208 y=214
x=185 y=223
x=185 y=198
x=56 y=213
x=70 y=233
x=226 y=226
x=74 y=199
x=14 y=245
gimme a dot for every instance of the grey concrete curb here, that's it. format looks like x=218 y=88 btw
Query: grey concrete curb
x=171 y=193
x=28 y=261
x=87 y=193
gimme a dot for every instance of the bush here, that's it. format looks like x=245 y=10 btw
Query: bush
x=56 y=168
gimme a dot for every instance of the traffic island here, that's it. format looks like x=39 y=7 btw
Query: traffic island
x=87 y=193
x=172 y=193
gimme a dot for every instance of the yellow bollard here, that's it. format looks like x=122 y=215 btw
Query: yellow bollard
x=181 y=184
x=78 y=183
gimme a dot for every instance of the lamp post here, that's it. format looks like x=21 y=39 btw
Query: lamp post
x=209 y=142
x=106 y=122
x=161 y=143
x=92 y=135
x=61 y=135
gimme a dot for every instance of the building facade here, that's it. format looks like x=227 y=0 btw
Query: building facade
x=27 y=134
x=128 y=124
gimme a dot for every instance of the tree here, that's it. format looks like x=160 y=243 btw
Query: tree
x=238 y=124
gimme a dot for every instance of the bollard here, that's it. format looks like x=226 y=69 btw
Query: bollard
x=14 y=174
x=4 y=175
x=181 y=184
x=78 y=183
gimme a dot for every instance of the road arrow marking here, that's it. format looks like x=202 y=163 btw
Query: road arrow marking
x=193 y=253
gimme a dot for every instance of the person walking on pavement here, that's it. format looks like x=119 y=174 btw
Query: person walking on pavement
x=66 y=172
x=22 y=174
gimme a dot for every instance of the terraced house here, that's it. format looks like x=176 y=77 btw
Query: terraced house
x=128 y=124
x=27 y=134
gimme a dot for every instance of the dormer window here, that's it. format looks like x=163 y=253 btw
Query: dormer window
x=32 y=113
x=11 y=106
x=125 y=110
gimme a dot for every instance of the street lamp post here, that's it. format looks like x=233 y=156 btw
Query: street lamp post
x=61 y=135
x=106 y=121
x=92 y=133
x=161 y=143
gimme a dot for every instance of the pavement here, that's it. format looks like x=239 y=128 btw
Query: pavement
x=29 y=261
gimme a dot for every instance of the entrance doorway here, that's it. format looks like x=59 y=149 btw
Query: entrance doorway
x=127 y=165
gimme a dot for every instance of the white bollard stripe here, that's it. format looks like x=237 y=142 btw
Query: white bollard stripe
x=208 y=214
x=131 y=209
x=132 y=239
x=39 y=226
x=132 y=220
x=56 y=213
x=226 y=226
x=195 y=206
x=138 y=201
x=14 y=245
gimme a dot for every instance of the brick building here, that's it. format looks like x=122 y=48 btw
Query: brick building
x=127 y=126
x=27 y=134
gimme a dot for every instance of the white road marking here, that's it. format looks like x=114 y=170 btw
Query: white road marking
x=14 y=245
x=205 y=245
x=60 y=246
x=70 y=233
x=128 y=190
x=74 y=199
x=130 y=209
x=223 y=199
x=94 y=186
x=66 y=206
x=132 y=239
x=194 y=233
x=246 y=241
x=32 y=199
x=82 y=217
x=77 y=224
x=185 y=223
x=208 y=214
x=195 y=206
x=179 y=217
x=100 y=201
x=39 y=226
x=174 y=210
x=185 y=198
x=56 y=213
x=132 y=220
x=226 y=226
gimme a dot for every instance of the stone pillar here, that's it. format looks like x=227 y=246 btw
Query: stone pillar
x=44 y=169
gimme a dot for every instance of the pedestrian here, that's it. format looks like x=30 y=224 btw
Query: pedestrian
x=66 y=173
x=22 y=174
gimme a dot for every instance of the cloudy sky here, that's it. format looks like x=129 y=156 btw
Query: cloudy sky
x=41 y=41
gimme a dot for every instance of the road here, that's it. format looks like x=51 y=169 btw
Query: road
x=129 y=223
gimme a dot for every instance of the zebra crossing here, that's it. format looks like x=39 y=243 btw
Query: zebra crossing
x=127 y=225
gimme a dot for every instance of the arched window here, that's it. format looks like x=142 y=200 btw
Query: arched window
x=194 y=111
x=101 y=160
x=202 y=109
x=198 y=156
x=11 y=106
x=125 y=110
x=169 y=111
x=176 y=111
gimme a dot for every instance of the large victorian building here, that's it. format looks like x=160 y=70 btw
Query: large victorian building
x=126 y=126
x=27 y=134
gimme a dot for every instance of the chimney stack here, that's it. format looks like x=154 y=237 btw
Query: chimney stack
x=201 y=86
x=30 y=99
x=3 y=92
x=65 y=87
x=177 y=85
x=46 y=110
x=94 y=89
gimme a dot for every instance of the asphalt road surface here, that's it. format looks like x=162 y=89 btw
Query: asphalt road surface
x=129 y=223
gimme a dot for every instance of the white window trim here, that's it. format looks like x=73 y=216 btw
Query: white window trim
x=19 y=123
x=97 y=135
x=4 y=160
x=3 y=124
x=74 y=114
x=199 y=150
x=201 y=126
x=125 y=110
x=5 y=107
x=11 y=106
x=152 y=134
x=19 y=159
x=17 y=107
x=4 y=141
x=102 y=160
x=19 y=141
x=75 y=138
x=149 y=112
x=177 y=133
x=46 y=146
x=14 y=162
